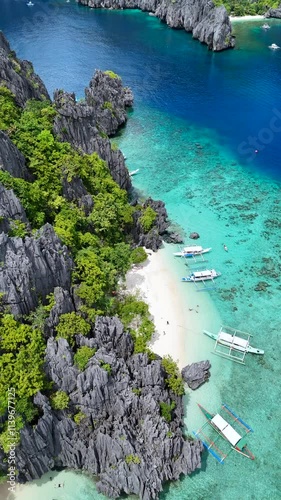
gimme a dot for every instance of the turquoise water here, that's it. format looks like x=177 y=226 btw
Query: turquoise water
x=189 y=134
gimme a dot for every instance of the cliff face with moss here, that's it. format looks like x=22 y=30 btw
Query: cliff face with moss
x=90 y=394
x=207 y=23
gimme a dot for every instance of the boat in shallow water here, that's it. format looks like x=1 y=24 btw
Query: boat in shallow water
x=220 y=427
x=232 y=343
x=206 y=274
x=266 y=26
x=134 y=172
x=192 y=251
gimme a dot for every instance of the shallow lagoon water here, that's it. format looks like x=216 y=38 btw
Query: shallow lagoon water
x=193 y=110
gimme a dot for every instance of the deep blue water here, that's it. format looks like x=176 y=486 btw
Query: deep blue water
x=235 y=93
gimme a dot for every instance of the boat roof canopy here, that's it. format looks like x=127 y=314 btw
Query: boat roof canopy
x=233 y=339
x=193 y=248
x=227 y=430
x=200 y=274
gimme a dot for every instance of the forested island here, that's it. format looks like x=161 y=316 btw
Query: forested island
x=89 y=394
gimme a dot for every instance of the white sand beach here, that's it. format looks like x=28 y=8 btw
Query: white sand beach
x=179 y=313
x=246 y=18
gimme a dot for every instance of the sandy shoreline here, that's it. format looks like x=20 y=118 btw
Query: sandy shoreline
x=156 y=287
x=246 y=18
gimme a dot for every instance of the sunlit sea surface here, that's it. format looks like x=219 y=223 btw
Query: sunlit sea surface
x=197 y=121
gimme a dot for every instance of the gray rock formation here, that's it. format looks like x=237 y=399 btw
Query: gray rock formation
x=31 y=268
x=196 y=374
x=11 y=210
x=194 y=236
x=63 y=304
x=11 y=159
x=122 y=437
x=86 y=124
x=209 y=24
x=19 y=76
x=274 y=13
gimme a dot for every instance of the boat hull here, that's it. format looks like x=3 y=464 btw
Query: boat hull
x=250 y=349
x=191 y=254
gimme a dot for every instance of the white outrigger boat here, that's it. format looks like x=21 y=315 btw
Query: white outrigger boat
x=207 y=274
x=266 y=26
x=234 y=343
x=192 y=251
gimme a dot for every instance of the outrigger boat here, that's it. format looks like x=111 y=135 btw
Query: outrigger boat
x=207 y=274
x=192 y=251
x=234 y=343
x=220 y=428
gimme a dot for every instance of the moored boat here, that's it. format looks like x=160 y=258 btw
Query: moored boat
x=236 y=342
x=266 y=26
x=207 y=274
x=192 y=251
x=222 y=428
x=134 y=172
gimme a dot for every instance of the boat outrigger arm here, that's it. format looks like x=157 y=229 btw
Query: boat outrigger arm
x=226 y=431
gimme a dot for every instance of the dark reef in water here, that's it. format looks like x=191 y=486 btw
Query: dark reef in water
x=207 y=23
x=113 y=426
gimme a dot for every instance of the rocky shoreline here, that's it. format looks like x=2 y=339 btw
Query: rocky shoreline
x=122 y=421
x=207 y=23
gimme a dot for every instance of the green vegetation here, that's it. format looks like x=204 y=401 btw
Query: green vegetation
x=147 y=219
x=134 y=314
x=138 y=255
x=132 y=459
x=18 y=229
x=111 y=74
x=78 y=417
x=166 y=410
x=9 y=112
x=108 y=105
x=136 y=391
x=106 y=367
x=174 y=380
x=59 y=400
x=247 y=7
x=82 y=356
x=72 y=324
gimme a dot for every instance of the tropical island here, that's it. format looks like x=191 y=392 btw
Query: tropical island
x=88 y=392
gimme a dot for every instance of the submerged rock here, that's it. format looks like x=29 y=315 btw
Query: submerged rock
x=206 y=22
x=196 y=374
x=194 y=236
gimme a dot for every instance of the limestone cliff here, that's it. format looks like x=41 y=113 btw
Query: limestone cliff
x=206 y=22
x=87 y=124
x=31 y=268
x=274 y=12
x=19 y=76
x=122 y=437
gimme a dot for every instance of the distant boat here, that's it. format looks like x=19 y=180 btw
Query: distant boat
x=235 y=343
x=207 y=274
x=134 y=172
x=30 y=4
x=192 y=251
x=266 y=26
x=274 y=46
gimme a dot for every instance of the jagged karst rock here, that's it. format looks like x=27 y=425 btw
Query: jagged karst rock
x=86 y=124
x=31 y=268
x=74 y=190
x=19 y=76
x=117 y=423
x=63 y=304
x=11 y=159
x=196 y=374
x=159 y=231
x=274 y=13
x=208 y=23
x=11 y=209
